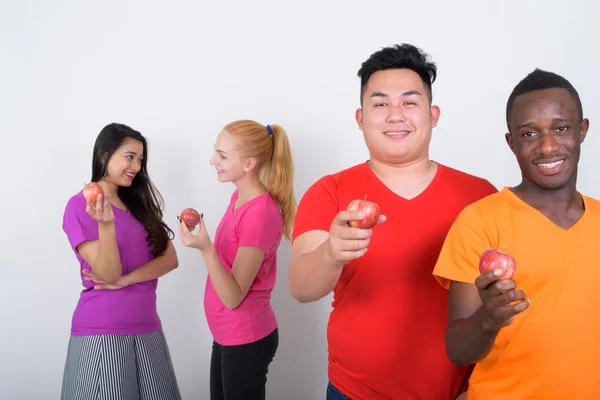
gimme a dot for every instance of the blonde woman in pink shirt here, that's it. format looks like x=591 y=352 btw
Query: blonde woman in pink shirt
x=242 y=261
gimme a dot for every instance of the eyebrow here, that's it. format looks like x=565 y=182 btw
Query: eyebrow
x=530 y=124
x=221 y=151
x=405 y=94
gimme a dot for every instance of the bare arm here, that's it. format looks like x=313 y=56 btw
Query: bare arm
x=467 y=341
x=103 y=254
x=476 y=315
x=155 y=268
x=312 y=273
x=233 y=287
x=318 y=257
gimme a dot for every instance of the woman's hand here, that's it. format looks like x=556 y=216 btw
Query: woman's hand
x=101 y=285
x=200 y=241
x=101 y=211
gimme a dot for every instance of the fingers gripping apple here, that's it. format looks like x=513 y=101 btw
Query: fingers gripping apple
x=369 y=209
x=91 y=191
x=493 y=259
x=190 y=217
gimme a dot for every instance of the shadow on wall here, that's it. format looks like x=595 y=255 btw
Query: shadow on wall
x=299 y=371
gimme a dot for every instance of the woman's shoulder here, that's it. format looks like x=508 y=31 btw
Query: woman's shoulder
x=76 y=201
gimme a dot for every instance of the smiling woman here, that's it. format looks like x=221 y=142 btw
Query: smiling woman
x=117 y=346
x=242 y=262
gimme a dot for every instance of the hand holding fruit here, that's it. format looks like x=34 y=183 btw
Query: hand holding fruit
x=190 y=217
x=201 y=240
x=95 y=204
x=501 y=301
x=368 y=209
x=492 y=259
x=350 y=233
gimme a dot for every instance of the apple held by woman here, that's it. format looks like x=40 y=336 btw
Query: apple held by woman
x=92 y=190
x=190 y=217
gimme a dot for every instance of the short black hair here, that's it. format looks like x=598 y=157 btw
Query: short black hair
x=397 y=57
x=540 y=80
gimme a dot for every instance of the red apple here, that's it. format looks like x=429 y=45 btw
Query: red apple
x=369 y=209
x=493 y=259
x=92 y=190
x=190 y=217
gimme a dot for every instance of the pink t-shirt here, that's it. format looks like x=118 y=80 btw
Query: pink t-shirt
x=256 y=223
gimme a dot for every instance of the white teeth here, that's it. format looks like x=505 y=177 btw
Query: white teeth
x=396 y=133
x=550 y=165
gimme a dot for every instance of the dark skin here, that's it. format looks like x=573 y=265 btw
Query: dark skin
x=545 y=135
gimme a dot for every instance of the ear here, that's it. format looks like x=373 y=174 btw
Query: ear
x=585 y=125
x=359 y=118
x=250 y=164
x=510 y=142
x=435 y=115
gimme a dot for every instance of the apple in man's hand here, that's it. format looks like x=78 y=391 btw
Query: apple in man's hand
x=493 y=259
x=370 y=210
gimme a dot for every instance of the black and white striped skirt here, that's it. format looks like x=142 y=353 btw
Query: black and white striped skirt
x=123 y=367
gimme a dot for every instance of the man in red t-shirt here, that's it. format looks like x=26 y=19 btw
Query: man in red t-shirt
x=386 y=330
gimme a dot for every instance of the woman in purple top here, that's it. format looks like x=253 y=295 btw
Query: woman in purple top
x=117 y=348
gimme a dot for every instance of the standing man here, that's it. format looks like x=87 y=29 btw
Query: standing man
x=537 y=335
x=386 y=330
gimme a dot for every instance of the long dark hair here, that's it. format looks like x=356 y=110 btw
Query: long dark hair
x=142 y=198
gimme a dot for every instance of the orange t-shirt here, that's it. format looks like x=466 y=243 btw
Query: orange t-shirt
x=386 y=330
x=552 y=349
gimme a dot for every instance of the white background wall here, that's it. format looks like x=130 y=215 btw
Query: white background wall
x=180 y=70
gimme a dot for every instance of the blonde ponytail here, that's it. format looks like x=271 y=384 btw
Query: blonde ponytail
x=279 y=178
x=270 y=146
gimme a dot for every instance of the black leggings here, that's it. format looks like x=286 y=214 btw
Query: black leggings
x=240 y=372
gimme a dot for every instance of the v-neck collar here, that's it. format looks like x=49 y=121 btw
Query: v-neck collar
x=423 y=193
x=516 y=199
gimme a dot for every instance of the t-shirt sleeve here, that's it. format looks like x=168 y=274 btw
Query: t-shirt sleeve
x=260 y=227
x=77 y=224
x=484 y=189
x=317 y=208
x=466 y=240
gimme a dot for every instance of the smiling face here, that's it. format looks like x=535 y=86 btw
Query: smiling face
x=546 y=133
x=229 y=162
x=125 y=163
x=396 y=117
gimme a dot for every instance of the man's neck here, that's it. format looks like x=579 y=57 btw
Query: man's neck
x=406 y=180
x=547 y=200
x=563 y=206
x=413 y=171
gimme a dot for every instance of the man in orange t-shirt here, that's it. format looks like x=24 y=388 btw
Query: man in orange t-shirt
x=386 y=330
x=535 y=336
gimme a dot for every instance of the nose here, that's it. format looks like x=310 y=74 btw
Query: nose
x=549 y=144
x=395 y=114
x=213 y=161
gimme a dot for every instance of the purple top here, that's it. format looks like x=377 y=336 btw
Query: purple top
x=127 y=311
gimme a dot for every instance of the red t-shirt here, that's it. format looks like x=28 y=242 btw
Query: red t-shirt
x=386 y=330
